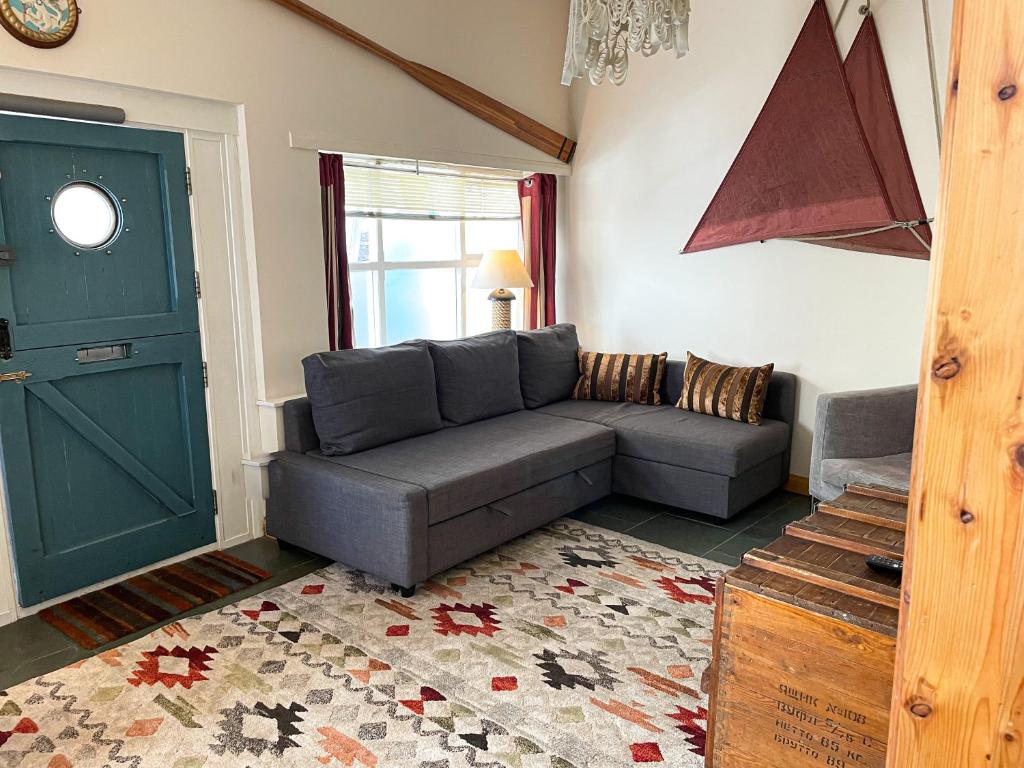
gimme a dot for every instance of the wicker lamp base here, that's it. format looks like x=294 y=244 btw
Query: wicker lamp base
x=501 y=309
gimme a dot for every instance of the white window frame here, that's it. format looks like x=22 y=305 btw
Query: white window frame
x=462 y=265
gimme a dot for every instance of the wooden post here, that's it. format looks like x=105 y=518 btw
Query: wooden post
x=958 y=698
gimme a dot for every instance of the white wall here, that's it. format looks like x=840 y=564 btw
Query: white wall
x=289 y=76
x=651 y=155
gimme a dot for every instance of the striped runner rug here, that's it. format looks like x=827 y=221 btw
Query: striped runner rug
x=122 y=609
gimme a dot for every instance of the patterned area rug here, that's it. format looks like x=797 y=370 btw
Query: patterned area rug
x=569 y=647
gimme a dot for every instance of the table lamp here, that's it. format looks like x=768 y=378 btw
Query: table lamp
x=502 y=270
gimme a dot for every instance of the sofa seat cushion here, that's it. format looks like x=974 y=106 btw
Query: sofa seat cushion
x=891 y=471
x=472 y=465
x=595 y=411
x=694 y=440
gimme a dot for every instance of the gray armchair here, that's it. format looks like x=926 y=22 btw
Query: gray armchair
x=863 y=437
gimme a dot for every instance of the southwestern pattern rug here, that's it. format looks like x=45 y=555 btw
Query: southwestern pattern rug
x=571 y=647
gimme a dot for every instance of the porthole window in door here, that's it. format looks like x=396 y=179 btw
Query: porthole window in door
x=85 y=215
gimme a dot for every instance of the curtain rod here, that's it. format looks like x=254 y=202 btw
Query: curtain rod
x=430 y=171
x=357 y=213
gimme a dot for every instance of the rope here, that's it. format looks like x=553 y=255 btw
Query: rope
x=895 y=225
x=920 y=239
x=839 y=16
x=843 y=237
x=908 y=225
x=936 y=105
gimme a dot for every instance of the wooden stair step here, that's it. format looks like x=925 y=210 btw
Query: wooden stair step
x=829 y=602
x=879 y=492
x=827 y=566
x=846 y=533
x=854 y=505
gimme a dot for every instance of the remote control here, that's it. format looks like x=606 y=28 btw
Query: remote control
x=884 y=564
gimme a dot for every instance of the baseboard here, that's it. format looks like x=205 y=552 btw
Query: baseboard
x=798 y=484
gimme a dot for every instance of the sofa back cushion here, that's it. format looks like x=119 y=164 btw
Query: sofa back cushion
x=620 y=377
x=727 y=391
x=362 y=398
x=477 y=377
x=548 y=364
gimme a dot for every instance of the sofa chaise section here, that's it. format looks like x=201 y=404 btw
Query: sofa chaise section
x=703 y=463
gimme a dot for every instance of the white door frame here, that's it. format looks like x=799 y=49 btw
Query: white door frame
x=222 y=231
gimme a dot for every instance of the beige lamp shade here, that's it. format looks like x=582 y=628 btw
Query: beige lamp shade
x=502 y=269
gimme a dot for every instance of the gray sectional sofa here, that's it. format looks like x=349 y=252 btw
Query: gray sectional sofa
x=407 y=460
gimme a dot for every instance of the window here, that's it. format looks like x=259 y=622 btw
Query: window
x=415 y=238
x=85 y=215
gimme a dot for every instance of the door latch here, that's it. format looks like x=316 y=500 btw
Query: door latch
x=6 y=353
x=6 y=255
x=18 y=376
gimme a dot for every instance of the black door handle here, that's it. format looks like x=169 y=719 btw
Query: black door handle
x=6 y=353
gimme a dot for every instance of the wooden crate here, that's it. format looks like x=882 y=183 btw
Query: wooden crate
x=805 y=638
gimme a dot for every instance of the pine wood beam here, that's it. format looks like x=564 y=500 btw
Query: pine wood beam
x=958 y=697
x=511 y=121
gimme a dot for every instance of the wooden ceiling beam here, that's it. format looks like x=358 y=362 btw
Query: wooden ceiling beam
x=490 y=110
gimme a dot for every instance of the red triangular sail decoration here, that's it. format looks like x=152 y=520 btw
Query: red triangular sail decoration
x=872 y=94
x=805 y=167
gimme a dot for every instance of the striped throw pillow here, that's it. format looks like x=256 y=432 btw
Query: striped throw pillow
x=724 y=390
x=620 y=378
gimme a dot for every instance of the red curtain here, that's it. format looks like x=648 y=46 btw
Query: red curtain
x=538 y=197
x=332 y=201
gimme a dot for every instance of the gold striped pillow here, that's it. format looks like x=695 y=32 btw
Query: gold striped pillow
x=724 y=390
x=620 y=378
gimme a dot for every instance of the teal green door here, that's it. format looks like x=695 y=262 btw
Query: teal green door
x=102 y=406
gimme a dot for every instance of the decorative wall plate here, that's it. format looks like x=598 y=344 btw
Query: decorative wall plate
x=41 y=23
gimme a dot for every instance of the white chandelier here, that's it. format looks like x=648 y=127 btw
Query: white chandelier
x=602 y=34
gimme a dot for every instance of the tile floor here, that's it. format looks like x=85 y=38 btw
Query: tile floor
x=723 y=541
x=31 y=647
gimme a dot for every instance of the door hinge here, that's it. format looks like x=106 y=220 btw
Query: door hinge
x=198 y=285
x=216 y=508
x=206 y=376
x=188 y=180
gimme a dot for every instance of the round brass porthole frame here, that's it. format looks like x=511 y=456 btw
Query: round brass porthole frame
x=111 y=198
